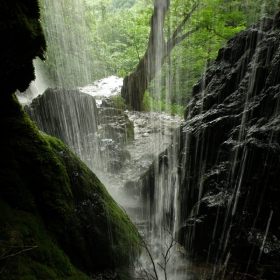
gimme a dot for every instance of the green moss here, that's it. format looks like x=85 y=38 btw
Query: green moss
x=57 y=220
x=112 y=232
x=50 y=199
x=118 y=102
x=151 y=104
x=129 y=131
x=40 y=257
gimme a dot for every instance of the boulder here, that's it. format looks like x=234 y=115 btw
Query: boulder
x=54 y=210
x=69 y=115
x=97 y=135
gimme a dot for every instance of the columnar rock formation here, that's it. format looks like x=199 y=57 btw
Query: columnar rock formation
x=227 y=165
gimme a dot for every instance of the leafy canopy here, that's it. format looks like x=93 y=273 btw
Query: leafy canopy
x=93 y=39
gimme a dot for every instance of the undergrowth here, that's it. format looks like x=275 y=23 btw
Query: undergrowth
x=160 y=105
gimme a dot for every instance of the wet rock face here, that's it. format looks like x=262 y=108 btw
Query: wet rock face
x=229 y=156
x=91 y=133
x=19 y=26
x=114 y=123
x=66 y=114
x=232 y=123
x=57 y=204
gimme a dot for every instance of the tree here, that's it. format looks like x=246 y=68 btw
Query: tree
x=158 y=49
x=155 y=274
x=118 y=37
x=255 y=9
x=188 y=17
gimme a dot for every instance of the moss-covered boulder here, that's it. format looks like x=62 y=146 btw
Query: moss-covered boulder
x=57 y=220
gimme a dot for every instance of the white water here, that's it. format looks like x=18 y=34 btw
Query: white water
x=153 y=132
x=104 y=88
x=36 y=87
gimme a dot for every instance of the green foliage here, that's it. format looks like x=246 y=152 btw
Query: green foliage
x=147 y=102
x=68 y=57
x=118 y=38
x=90 y=40
x=118 y=102
x=218 y=21
x=110 y=37
x=122 y=4
x=151 y=104
x=255 y=9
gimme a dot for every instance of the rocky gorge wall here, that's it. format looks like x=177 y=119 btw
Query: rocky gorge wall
x=225 y=169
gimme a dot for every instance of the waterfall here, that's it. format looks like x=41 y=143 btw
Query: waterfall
x=68 y=55
x=206 y=199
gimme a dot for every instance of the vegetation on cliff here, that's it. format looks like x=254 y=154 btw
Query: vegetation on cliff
x=109 y=37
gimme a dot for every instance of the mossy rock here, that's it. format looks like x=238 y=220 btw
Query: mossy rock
x=50 y=199
x=37 y=256
x=115 y=122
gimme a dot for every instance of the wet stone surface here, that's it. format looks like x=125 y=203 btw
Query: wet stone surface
x=152 y=134
x=228 y=161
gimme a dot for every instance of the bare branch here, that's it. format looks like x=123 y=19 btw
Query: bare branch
x=151 y=257
x=3 y=268
x=19 y=252
x=143 y=273
x=181 y=25
x=173 y=42
x=166 y=256
x=8 y=255
x=216 y=33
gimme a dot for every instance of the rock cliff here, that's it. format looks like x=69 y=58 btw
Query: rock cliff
x=226 y=166
x=22 y=39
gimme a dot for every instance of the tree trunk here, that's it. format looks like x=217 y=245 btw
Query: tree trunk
x=135 y=84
